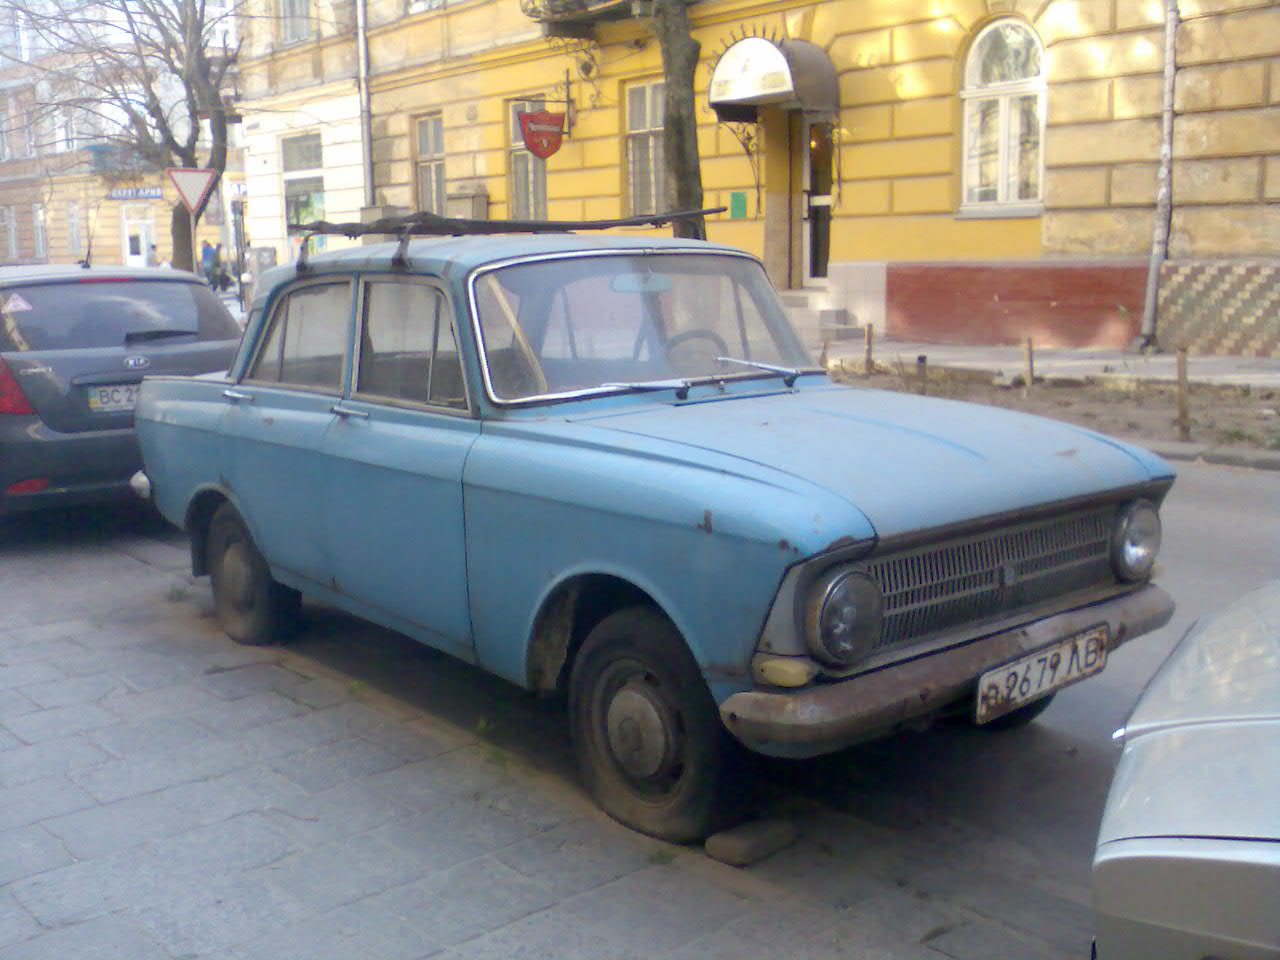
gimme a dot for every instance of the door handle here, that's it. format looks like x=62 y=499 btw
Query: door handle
x=238 y=395
x=344 y=411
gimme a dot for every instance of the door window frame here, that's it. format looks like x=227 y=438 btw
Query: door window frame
x=357 y=348
x=268 y=327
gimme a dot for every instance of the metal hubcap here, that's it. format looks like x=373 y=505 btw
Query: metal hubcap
x=639 y=733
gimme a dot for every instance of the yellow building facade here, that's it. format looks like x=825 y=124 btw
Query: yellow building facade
x=981 y=170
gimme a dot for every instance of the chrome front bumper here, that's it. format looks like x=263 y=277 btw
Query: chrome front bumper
x=824 y=718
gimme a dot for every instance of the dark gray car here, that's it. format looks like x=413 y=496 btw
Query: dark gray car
x=75 y=344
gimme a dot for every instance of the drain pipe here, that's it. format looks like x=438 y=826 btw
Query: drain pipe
x=1164 y=181
x=362 y=88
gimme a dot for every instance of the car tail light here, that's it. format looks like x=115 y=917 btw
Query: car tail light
x=12 y=399
x=34 y=485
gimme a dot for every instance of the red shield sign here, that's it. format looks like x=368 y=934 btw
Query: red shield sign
x=542 y=131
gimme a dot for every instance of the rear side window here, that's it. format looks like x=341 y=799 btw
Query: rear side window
x=110 y=313
x=306 y=343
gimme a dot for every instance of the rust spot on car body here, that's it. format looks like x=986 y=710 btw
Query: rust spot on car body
x=705 y=525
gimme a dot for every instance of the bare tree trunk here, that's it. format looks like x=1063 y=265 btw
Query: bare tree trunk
x=180 y=230
x=680 y=131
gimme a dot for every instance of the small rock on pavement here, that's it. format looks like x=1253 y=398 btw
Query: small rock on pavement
x=750 y=843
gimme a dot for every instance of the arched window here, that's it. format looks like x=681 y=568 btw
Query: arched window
x=1003 y=120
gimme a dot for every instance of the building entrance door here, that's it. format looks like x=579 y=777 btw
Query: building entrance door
x=818 y=173
x=138 y=236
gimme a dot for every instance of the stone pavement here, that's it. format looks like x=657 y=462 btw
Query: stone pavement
x=165 y=793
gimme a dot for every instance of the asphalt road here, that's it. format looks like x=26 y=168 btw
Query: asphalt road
x=164 y=793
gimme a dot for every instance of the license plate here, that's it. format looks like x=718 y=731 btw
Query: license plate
x=113 y=397
x=1028 y=678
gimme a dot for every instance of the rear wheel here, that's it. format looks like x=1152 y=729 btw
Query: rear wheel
x=251 y=607
x=646 y=731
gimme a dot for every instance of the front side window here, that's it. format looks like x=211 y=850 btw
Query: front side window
x=408 y=350
x=301 y=159
x=645 y=164
x=528 y=173
x=295 y=20
x=1004 y=92
x=430 y=163
x=601 y=323
x=306 y=344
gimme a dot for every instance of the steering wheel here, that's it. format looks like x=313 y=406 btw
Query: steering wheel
x=699 y=333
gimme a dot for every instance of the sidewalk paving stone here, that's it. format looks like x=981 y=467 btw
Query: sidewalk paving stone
x=339 y=873
x=70 y=755
x=71 y=691
x=105 y=938
x=26 y=851
x=40 y=799
x=59 y=722
x=16 y=924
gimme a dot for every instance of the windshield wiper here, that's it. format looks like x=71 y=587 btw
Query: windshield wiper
x=139 y=336
x=788 y=374
x=681 y=387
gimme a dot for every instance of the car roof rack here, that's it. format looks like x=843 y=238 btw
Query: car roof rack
x=431 y=225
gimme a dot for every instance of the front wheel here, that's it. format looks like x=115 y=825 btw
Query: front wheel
x=646 y=730
x=251 y=607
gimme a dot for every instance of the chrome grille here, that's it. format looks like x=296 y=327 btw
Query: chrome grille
x=949 y=584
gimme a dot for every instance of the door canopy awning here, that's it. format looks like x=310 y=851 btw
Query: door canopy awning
x=792 y=74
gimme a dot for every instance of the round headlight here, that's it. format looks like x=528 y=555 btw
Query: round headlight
x=844 y=617
x=1136 y=541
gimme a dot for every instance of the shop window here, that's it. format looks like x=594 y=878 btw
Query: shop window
x=646 y=168
x=429 y=172
x=302 y=162
x=528 y=173
x=1004 y=94
x=295 y=20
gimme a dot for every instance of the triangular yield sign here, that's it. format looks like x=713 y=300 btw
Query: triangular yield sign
x=193 y=184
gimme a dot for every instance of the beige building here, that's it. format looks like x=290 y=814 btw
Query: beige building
x=976 y=170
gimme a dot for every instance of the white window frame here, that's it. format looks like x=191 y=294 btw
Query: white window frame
x=295 y=21
x=75 y=239
x=1005 y=95
x=430 y=162
x=39 y=232
x=9 y=228
x=528 y=199
x=6 y=117
x=645 y=133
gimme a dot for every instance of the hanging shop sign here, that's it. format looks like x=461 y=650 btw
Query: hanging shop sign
x=135 y=193
x=543 y=131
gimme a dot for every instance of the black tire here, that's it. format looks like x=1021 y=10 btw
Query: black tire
x=251 y=607
x=1016 y=719
x=671 y=787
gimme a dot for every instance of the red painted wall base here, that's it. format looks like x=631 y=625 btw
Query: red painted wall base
x=1058 y=304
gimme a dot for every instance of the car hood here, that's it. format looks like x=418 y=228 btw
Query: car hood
x=1202 y=748
x=1225 y=670
x=906 y=462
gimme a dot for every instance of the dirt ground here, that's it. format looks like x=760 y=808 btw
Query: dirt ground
x=1219 y=416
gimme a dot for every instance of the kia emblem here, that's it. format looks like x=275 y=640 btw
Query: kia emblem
x=136 y=363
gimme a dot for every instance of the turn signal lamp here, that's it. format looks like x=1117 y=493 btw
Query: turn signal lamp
x=12 y=399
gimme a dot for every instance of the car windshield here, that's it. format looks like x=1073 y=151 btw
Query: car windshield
x=104 y=312
x=616 y=322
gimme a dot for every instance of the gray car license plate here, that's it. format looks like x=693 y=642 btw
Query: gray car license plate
x=1037 y=674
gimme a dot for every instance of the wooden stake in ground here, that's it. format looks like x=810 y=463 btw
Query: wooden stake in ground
x=1030 y=352
x=922 y=372
x=1184 y=413
x=869 y=338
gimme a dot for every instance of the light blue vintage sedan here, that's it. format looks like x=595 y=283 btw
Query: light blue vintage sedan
x=606 y=465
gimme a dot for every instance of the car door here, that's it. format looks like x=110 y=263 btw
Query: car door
x=394 y=459
x=276 y=418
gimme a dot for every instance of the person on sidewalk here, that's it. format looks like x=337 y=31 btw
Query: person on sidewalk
x=208 y=261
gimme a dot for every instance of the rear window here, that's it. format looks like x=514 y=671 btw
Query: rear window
x=103 y=313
